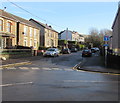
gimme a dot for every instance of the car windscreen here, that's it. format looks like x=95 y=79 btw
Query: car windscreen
x=51 y=50
x=86 y=51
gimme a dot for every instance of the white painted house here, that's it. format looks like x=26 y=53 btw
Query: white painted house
x=71 y=36
x=65 y=35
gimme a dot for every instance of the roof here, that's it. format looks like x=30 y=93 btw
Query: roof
x=16 y=18
x=44 y=25
x=116 y=16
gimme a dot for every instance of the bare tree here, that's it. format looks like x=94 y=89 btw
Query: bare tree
x=96 y=37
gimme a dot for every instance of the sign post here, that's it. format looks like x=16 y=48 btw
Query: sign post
x=106 y=39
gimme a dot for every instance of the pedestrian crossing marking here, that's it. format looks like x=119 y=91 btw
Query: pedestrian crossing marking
x=68 y=70
x=12 y=68
x=34 y=68
x=38 y=68
x=24 y=68
x=55 y=68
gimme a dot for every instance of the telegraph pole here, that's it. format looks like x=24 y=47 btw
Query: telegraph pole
x=67 y=37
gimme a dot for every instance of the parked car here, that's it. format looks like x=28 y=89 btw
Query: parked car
x=66 y=51
x=52 y=52
x=73 y=49
x=97 y=49
x=94 y=49
x=86 y=52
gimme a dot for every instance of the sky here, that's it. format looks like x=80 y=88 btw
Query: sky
x=76 y=16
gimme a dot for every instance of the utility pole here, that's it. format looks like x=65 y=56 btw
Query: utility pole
x=67 y=37
x=67 y=34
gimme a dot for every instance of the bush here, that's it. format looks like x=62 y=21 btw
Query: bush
x=43 y=48
x=22 y=47
x=62 y=42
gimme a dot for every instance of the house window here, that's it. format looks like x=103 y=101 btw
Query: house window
x=35 y=33
x=35 y=43
x=1 y=43
x=25 y=30
x=1 y=25
x=48 y=42
x=30 y=42
x=8 y=27
x=25 y=41
x=31 y=32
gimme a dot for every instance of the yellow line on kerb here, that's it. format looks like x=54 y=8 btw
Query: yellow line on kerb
x=16 y=64
x=97 y=72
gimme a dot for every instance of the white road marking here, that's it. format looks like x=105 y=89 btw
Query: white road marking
x=46 y=68
x=38 y=68
x=34 y=68
x=23 y=68
x=68 y=70
x=11 y=68
x=13 y=84
x=55 y=69
x=90 y=81
x=1 y=68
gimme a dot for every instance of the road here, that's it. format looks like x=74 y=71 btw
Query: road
x=53 y=79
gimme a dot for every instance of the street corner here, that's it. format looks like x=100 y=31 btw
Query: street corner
x=15 y=64
x=80 y=64
x=93 y=69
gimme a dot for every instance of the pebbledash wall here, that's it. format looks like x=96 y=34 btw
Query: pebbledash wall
x=16 y=53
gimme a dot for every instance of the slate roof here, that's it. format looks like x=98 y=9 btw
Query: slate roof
x=44 y=25
x=116 y=16
x=15 y=18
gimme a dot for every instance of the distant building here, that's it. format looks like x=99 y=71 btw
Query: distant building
x=15 y=30
x=116 y=32
x=71 y=36
x=48 y=36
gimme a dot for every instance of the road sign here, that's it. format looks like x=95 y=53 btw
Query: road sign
x=106 y=38
x=105 y=45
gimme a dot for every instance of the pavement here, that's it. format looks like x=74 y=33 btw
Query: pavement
x=95 y=64
x=18 y=61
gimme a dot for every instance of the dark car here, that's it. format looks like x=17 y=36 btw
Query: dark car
x=66 y=51
x=73 y=49
x=86 y=52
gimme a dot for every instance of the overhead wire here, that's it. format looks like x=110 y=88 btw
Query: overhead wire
x=34 y=14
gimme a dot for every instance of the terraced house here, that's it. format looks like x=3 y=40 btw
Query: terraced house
x=15 y=30
x=48 y=36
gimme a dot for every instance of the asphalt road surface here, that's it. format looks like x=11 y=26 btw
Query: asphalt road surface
x=53 y=79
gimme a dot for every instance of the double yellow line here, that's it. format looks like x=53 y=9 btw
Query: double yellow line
x=107 y=73
x=15 y=64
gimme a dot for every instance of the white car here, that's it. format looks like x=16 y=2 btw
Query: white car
x=52 y=52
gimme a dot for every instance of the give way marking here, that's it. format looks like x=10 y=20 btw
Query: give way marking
x=13 y=84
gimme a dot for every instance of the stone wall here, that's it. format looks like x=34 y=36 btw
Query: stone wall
x=15 y=53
